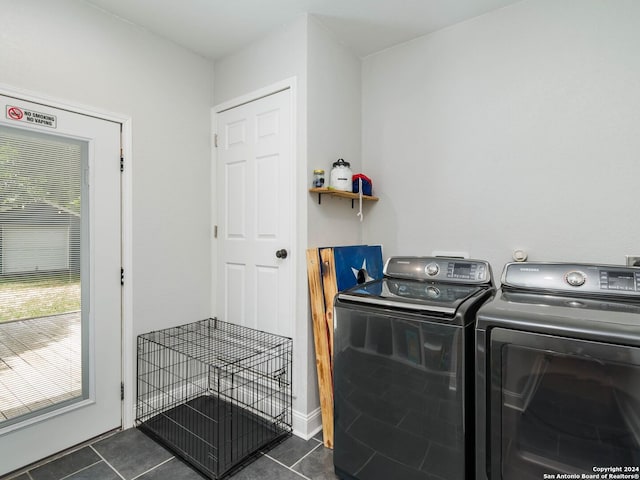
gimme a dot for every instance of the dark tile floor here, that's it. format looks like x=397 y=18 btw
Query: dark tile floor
x=130 y=455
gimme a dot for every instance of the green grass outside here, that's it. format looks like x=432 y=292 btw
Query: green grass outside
x=41 y=297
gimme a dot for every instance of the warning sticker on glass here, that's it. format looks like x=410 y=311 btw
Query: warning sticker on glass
x=30 y=116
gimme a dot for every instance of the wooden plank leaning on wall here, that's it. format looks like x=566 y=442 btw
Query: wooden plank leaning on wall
x=321 y=338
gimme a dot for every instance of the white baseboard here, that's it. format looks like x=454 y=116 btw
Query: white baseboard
x=306 y=426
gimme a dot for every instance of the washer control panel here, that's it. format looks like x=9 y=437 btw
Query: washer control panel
x=443 y=269
x=570 y=277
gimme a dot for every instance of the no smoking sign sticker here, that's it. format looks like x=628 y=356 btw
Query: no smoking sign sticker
x=37 y=118
x=14 y=113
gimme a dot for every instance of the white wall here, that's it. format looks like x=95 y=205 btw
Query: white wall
x=334 y=130
x=517 y=129
x=75 y=54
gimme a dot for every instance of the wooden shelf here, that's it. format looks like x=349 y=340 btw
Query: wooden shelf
x=342 y=194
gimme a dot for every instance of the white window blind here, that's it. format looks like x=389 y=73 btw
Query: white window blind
x=41 y=195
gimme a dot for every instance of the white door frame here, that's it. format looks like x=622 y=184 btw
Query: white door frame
x=288 y=83
x=128 y=341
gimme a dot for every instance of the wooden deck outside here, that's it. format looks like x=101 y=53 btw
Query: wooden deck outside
x=40 y=363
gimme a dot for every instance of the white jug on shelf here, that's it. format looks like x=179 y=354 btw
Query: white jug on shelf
x=341 y=176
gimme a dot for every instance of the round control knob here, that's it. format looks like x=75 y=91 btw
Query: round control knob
x=432 y=269
x=576 y=279
x=433 y=292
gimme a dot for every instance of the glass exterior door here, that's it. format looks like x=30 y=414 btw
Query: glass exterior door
x=562 y=406
x=60 y=307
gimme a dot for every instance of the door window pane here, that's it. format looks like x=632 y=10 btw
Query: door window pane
x=41 y=226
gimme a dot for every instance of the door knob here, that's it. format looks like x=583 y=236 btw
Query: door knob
x=282 y=253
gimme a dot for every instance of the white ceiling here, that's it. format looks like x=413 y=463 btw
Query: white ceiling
x=215 y=28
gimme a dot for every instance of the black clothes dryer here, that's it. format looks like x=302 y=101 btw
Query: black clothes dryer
x=558 y=374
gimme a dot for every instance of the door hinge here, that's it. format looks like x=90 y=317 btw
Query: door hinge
x=215 y=140
x=121 y=390
x=122 y=276
x=121 y=163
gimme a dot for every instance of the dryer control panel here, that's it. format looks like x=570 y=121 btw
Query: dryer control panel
x=442 y=269
x=573 y=277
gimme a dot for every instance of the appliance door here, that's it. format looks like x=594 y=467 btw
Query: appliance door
x=561 y=405
x=399 y=385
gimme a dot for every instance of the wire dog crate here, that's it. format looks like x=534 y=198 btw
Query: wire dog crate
x=213 y=392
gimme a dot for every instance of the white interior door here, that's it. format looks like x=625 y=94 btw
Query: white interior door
x=60 y=362
x=255 y=164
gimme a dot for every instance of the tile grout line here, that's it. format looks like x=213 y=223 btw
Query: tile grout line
x=288 y=468
x=80 y=470
x=153 y=468
x=105 y=461
x=306 y=455
x=62 y=454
